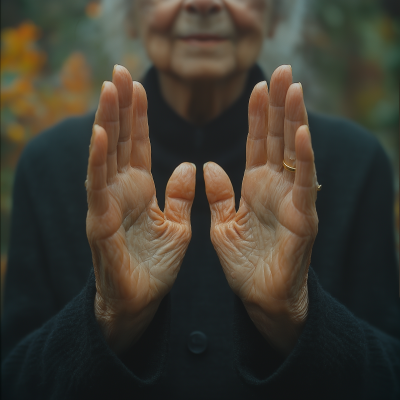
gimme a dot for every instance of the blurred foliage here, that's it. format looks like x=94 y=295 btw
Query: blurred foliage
x=354 y=48
x=32 y=100
x=356 y=44
x=53 y=64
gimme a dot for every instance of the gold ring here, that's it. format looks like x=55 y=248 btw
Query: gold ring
x=293 y=169
x=288 y=167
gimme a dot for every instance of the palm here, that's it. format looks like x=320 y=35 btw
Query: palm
x=137 y=249
x=265 y=247
x=270 y=232
x=134 y=230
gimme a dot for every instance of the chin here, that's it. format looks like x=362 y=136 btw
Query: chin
x=203 y=69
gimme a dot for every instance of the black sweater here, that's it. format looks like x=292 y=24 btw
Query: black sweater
x=52 y=346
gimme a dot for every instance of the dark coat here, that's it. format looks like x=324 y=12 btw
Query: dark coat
x=52 y=346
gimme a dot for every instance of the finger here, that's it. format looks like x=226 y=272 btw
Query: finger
x=304 y=192
x=123 y=82
x=179 y=193
x=220 y=194
x=295 y=116
x=107 y=117
x=256 y=148
x=96 y=186
x=141 y=151
x=280 y=82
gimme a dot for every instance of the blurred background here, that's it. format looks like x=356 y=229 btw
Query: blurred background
x=56 y=54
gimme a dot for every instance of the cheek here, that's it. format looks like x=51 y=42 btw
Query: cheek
x=249 y=17
x=161 y=16
x=159 y=50
x=156 y=21
x=248 y=50
x=251 y=22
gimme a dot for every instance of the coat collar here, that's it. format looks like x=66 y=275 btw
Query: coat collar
x=174 y=133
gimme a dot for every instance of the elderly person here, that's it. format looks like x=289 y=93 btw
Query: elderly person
x=146 y=300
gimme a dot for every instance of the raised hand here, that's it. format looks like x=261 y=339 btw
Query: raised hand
x=137 y=249
x=265 y=247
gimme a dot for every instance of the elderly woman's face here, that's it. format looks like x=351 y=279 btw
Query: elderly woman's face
x=203 y=39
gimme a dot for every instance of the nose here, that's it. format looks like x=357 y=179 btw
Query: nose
x=202 y=7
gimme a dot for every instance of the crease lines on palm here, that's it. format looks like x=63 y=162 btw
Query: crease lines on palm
x=268 y=228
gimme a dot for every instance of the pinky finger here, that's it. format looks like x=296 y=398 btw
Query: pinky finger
x=304 y=193
x=97 y=193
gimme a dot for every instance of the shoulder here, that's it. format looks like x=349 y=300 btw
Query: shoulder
x=345 y=147
x=347 y=137
x=68 y=134
x=64 y=143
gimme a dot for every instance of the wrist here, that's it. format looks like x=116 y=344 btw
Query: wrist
x=120 y=328
x=281 y=330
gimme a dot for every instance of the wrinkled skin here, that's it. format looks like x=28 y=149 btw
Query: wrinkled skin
x=265 y=247
x=137 y=249
x=202 y=50
x=165 y=26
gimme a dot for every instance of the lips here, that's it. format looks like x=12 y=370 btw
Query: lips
x=203 y=38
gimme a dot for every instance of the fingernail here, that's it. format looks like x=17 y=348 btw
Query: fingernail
x=95 y=127
x=116 y=65
x=102 y=87
x=204 y=165
x=301 y=87
x=194 y=166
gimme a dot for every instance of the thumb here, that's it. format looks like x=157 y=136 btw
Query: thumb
x=179 y=194
x=220 y=193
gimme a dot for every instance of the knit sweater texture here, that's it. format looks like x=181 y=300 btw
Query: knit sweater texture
x=52 y=345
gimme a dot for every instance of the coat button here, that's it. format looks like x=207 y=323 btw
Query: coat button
x=197 y=342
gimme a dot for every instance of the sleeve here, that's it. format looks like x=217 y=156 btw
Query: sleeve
x=349 y=348
x=53 y=353
x=337 y=355
x=370 y=277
